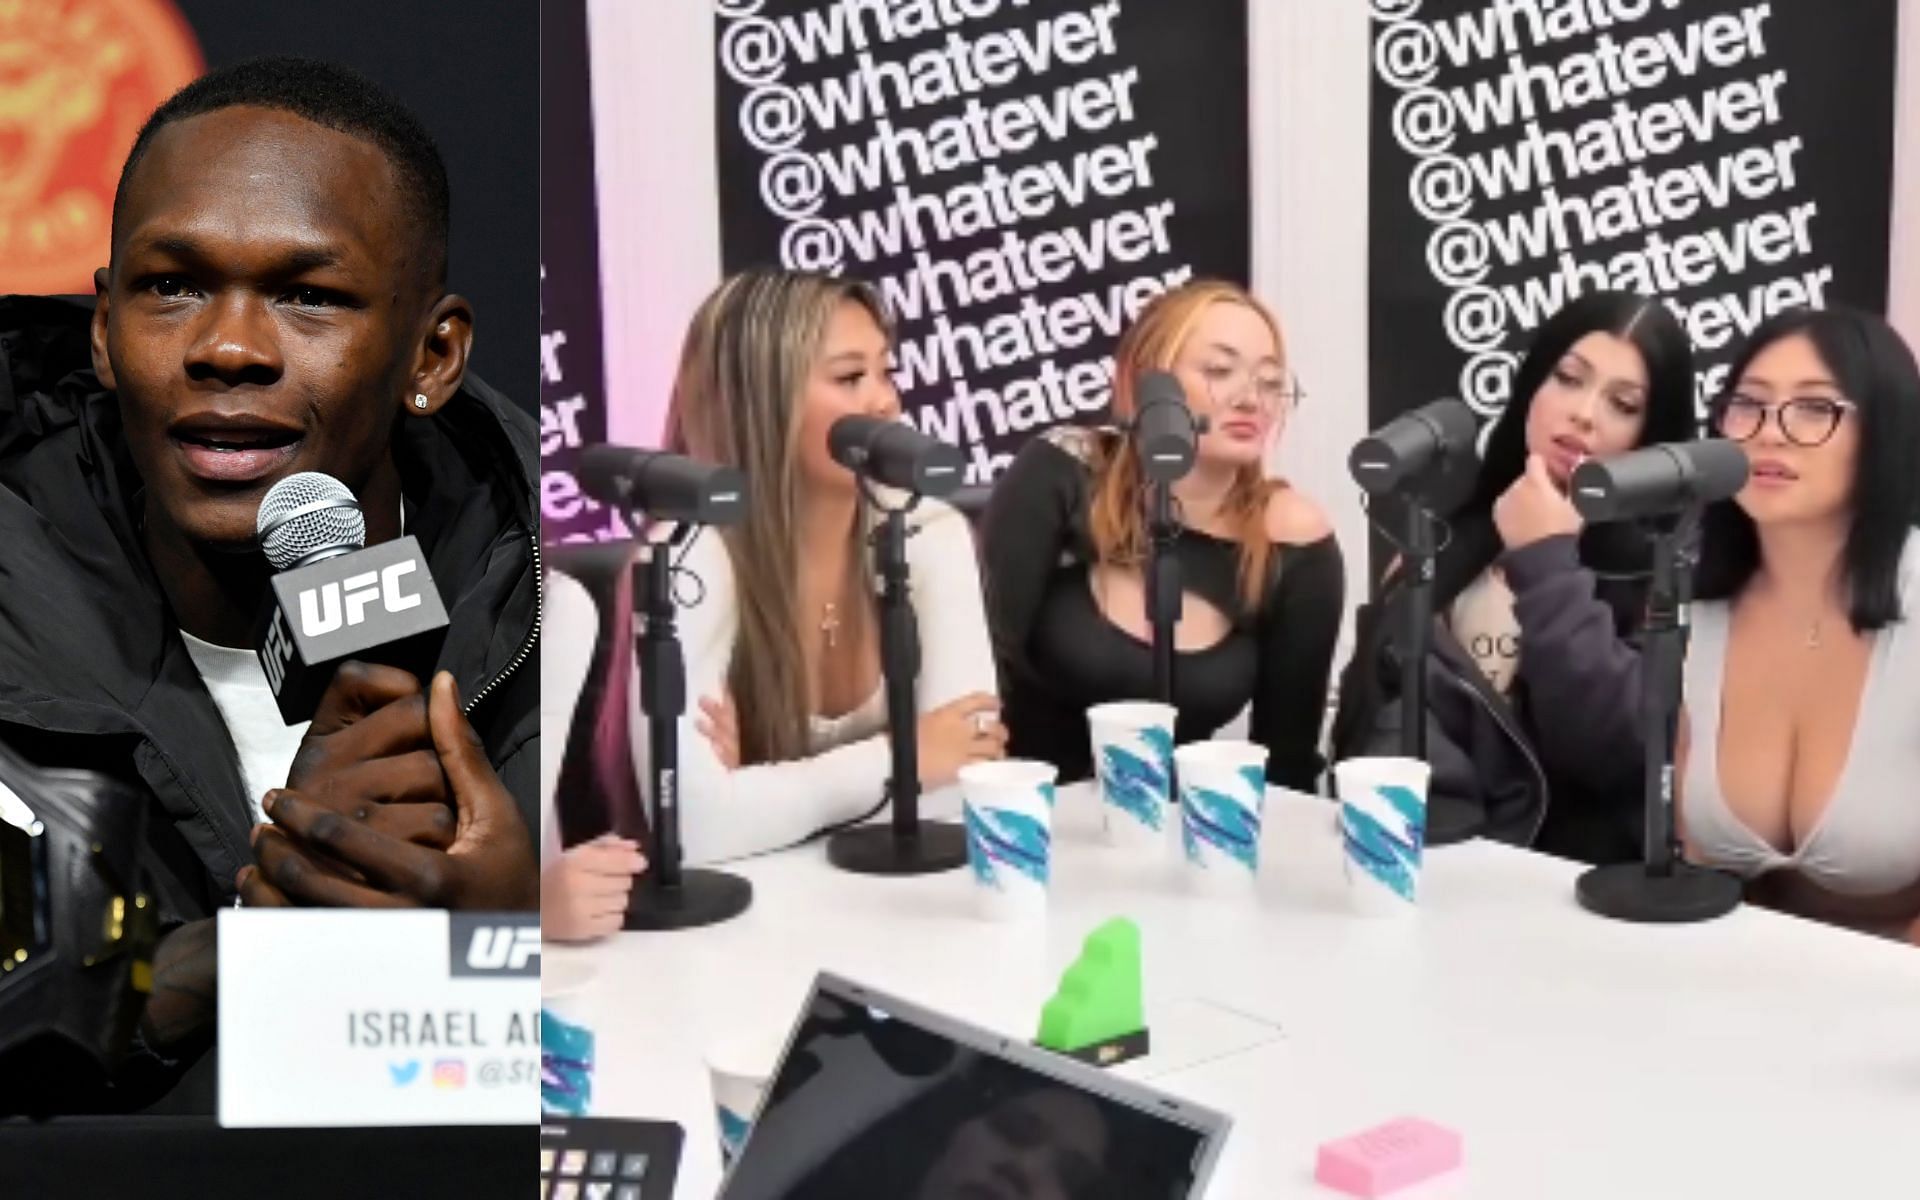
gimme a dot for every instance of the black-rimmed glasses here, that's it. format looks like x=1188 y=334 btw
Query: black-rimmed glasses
x=1807 y=421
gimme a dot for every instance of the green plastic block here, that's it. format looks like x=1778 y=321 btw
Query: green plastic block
x=1099 y=999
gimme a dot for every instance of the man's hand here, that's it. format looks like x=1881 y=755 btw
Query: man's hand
x=181 y=1003
x=1534 y=508
x=368 y=755
x=584 y=895
x=490 y=863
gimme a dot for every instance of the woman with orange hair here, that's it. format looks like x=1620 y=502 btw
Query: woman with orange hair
x=1066 y=547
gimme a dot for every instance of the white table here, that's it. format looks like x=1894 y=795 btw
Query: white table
x=1751 y=1057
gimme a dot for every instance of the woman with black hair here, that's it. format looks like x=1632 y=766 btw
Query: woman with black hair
x=1802 y=724
x=1532 y=686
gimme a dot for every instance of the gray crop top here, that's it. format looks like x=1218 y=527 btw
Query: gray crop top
x=1867 y=841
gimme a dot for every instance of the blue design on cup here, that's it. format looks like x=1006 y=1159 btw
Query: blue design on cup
x=999 y=837
x=566 y=1066
x=1160 y=741
x=1134 y=785
x=733 y=1133
x=1390 y=855
x=1227 y=823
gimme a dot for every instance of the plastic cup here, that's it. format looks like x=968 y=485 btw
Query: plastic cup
x=1133 y=761
x=1223 y=791
x=567 y=1023
x=740 y=1066
x=1383 y=832
x=1009 y=820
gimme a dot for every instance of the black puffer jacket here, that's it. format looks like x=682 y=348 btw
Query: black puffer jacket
x=1555 y=764
x=93 y=671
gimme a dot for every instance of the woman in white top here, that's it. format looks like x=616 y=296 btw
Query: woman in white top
x=778 y=619
x=1802 y=732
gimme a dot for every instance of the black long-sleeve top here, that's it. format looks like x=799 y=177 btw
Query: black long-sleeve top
x=1058 y=653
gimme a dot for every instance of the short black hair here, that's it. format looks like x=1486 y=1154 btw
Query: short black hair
x=329 y=95
x=1876 y=371
x=1664 y=351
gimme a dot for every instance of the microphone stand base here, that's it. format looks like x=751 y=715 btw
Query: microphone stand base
x=1633 y=892
x=700 y=898
x=878 y=850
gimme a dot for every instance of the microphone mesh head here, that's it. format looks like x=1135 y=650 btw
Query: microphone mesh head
x=306 y=513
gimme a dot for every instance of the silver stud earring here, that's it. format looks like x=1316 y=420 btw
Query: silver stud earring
x=419 y=400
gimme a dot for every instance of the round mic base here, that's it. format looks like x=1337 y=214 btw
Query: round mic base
x=877 y=850
x=700 y=898
x=1632 y=892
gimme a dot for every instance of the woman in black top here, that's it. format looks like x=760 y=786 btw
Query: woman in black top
x=1066 y=546
x=1533 y=727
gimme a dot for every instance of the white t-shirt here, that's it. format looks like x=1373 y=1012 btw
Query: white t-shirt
x=241 y=692
x=1483 y=621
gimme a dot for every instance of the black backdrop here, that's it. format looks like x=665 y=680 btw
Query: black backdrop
x=823 y=168
x=470 y=70
x=1835 y=95
x=573 y=407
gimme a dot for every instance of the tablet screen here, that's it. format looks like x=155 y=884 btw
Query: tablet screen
x=870 y=1103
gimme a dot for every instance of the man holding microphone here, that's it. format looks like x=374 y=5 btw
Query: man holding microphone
x=275 y=302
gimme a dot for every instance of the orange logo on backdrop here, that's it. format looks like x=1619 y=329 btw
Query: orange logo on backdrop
x=77 y=80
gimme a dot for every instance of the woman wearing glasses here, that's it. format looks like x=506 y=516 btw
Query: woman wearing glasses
x=1066 y=544
x=1532 y=681
x=1802 y=728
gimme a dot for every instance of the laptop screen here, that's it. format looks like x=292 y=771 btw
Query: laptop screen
x=876 y=1099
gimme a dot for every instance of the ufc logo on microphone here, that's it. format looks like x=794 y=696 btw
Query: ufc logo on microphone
x=344 y=604
x=278 y=651
x=487 y=947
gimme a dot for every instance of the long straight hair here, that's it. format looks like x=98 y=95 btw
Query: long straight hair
x=1642 y=321
x=1876 y=371
x=736 y=400
x=1117 y=522
x=1617 y=551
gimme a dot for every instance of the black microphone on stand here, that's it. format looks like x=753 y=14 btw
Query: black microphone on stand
x=1166 y=436
x=1658 y=481
x=898 y=456
x=1411 y=457
x=1667 y=486
x=667 y=487
x=1166 y=432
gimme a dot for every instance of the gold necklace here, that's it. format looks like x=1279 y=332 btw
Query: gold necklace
x=1813 y=633
x=830 y=624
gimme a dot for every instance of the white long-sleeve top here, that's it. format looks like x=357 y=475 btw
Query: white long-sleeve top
x=727 y=814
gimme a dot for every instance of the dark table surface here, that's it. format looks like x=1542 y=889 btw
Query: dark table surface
x=143 y=1157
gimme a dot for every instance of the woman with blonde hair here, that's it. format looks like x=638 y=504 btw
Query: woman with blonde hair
x=1066 y=544
x=778 y=620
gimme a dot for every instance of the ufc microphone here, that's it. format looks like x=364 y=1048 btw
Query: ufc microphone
x=668 y=487
x=1165 y=431
x=1658 y=480
x=334 y=598
x=897 y=455
x=1401 y=453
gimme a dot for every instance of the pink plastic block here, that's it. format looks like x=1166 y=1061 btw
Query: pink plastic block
x=1389 y=1157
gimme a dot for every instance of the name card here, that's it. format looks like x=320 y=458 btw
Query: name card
x=344 y=1017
